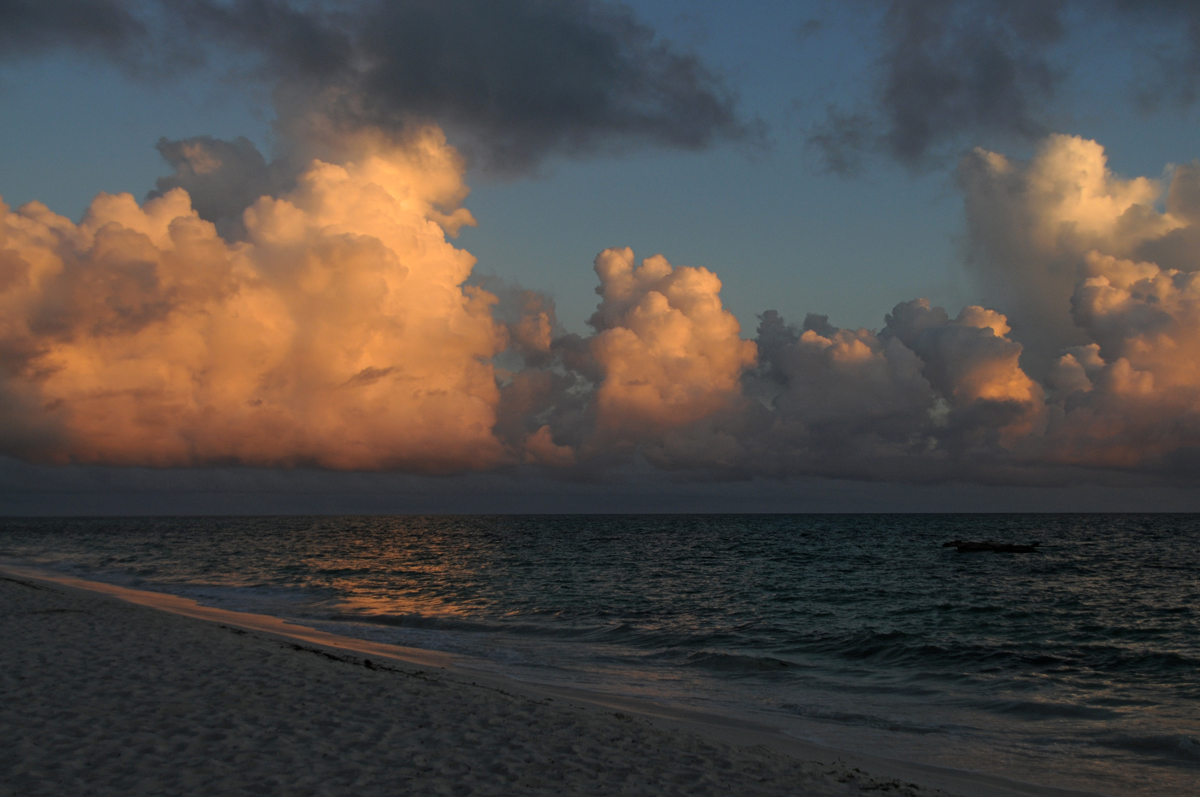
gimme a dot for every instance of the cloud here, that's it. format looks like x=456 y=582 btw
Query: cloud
x=948 y=69
x=954 y=72
x=222 y=178
x=512 y=81
x=310 y=311
x=669 y=352
x=338 y=329
x=524 y=78
x=1069 y=250
x=1093 y=376
x=668 y=360
x=341 y=329
x=106 y=27
x=1130 y=397
x=1031 y=226
x=1169 y=66
x=338 y=334
x=926 y=394
x=663 y=365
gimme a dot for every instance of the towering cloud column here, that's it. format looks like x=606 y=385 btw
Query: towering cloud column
x=670 y=353
x=338 y=334
x=1102 y=291
x=1031 y=226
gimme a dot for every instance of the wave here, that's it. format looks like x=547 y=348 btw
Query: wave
x=901 y=649
x=620 y=634
x=432 y=622
x=1175 y=747
x=1046 y=709
x=737 y=662
x=826 y=714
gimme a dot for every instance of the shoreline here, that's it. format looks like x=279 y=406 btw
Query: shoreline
x=785 y=765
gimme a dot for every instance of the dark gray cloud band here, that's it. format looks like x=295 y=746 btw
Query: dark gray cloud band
x=952 y=73
x=511 y=80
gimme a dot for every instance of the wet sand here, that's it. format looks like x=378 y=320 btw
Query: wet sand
x=102 y=696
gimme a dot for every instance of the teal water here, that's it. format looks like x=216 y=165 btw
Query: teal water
x=1077 y=666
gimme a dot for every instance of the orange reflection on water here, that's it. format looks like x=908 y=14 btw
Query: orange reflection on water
x=417 y=571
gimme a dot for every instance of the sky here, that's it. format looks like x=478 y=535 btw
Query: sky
x=910 y=255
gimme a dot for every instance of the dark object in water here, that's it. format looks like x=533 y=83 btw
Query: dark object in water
x=964 y=546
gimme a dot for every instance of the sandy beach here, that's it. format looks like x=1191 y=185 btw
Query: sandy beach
x=100 y=696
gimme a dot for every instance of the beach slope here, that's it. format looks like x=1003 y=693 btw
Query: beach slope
x=100 y=696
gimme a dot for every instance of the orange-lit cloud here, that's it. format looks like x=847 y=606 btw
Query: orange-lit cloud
x=1033 y=224
x=909 y=401
x=670 y=353
x=1132 y=396
x=331 y=323
x=339 y=333
x=1100 y=283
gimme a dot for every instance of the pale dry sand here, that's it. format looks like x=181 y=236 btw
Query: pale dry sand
x=101 y=696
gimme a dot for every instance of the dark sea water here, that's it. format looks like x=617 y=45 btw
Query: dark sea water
x=1077 y=666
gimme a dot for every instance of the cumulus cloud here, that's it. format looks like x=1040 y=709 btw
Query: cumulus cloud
x=661 y=371
x=1087 y=367
x=1069 y=250
x=311 y=311
x=670 y=354
x=1130 y=397
x=925 y=394
x=340 y=328
x=339 y=333
x=1031 y=226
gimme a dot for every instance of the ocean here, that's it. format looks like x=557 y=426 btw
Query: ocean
x=1076 y=666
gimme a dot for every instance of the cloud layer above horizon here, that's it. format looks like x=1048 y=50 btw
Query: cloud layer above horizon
x=311 y=309
x=335 y=325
